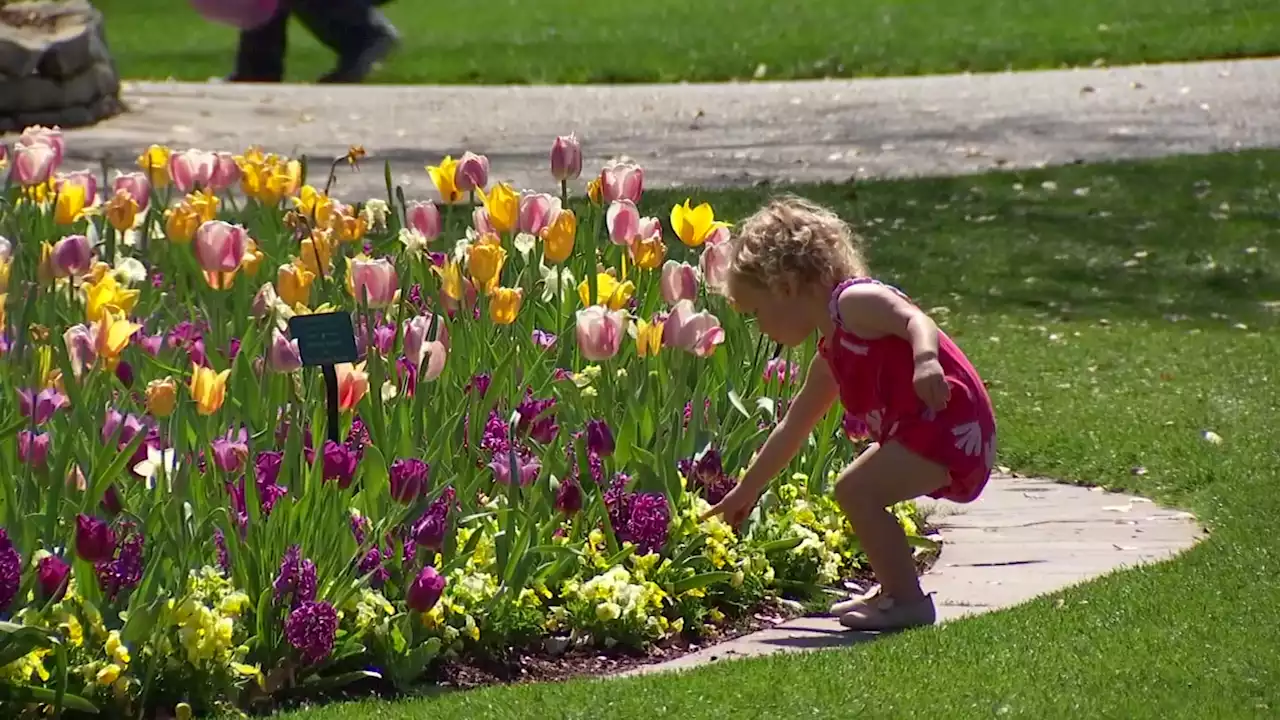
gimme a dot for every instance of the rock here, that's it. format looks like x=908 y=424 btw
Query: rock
x=55 y=66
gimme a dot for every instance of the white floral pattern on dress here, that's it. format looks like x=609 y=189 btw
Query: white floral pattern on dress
x=873 y=420
x=854 y=347
x=968 y=438
x=989 y=451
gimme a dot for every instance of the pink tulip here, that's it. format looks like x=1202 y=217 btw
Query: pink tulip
x=136 y=185
x=472 y=172
x=695 y=332
x=621 y=181
x=72 y=255
x=623 y=220
x=6 y=249
x=480 y=219
x=283 y=356
x=82 y=347
x=718 y=236
x=191 y=169
x=715 y=261
x=566 y=158
x=225 y=172
x=417 y=337
x=40 y=135
x=33 y=163
x=435 y=353
x=84 y=179
x=264 y=302
x=679 y=282
x=599 y=332
x=650 y=229
x=425 y=218
x=220 y=246
x=374 y=281
x=537 y=210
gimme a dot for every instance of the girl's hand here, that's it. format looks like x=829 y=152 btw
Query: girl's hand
x=736 y=506
x=931 y=384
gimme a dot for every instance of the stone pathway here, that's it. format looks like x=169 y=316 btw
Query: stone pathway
x=1024 y=537
x=723 y=134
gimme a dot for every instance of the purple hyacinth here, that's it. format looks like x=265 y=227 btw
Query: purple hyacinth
x=311 y=629
x=642 y=519
x=408 y=479
x=358 y=438
x=125 y=571
x=495 y=437
x=10 y=570
x=224 y=555
x=296 y=579
x=359 y=528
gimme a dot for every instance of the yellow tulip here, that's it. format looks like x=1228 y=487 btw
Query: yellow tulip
x=442 y=177
x=504 y=305
x=70 y=205
x=286 y=176
x=450 y=280
x=205 y=204
x=293 y=284
x=558 y=237
x=122 y=210
x=316 y=253
x=114 y=332
x=315 y=205
x=593 y=190
x=252 y=258
x=609 y=291
x=162 y=396
x=349 y=228
x=503 y=204
x=208 y=388
x=4 y=299
x=108 y=296
x=648 y=253
x=693 y=225
x=181 y=222
x=484 y=261
x=4 y=274
x=648 y=338
x=155 y=163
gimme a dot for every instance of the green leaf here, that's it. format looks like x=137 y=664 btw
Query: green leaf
x=736 y=402
x=700 y=581
x=780 y=545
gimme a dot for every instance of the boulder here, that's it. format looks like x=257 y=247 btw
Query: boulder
x=55 y=67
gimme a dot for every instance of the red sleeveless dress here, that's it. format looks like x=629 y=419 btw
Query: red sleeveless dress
x=877 y=390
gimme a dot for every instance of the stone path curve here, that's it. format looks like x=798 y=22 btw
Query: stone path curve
x=1023 y=538
x=723 y=134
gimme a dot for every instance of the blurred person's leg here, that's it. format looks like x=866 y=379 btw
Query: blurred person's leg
x=260 y=56
x=360 y=35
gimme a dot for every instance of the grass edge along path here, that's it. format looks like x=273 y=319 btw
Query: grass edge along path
x=1119 y=312
x=570 y=41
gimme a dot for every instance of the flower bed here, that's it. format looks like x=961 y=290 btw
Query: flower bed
x=548 y=394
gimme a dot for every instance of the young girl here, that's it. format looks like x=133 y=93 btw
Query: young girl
x=795 y=267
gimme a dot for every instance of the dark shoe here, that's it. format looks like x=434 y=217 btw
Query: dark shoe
x=356 y=66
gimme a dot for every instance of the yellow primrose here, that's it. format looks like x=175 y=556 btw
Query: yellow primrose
x=485 y=260
x=558 y=237
x=70 y=204
x=208 y=388
x=315 y=205
x=609 y=291
x=442 y=177
x=155 y=163
x=504 y=305
x=108 y=295
x=108 y=674
x=693 y=225
x=503 y=204
x=648 y=338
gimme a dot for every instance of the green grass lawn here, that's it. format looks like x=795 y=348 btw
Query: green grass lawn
x=1118 y=314
x=555 y=41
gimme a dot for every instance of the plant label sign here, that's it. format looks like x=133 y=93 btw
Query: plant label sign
x=324 y=338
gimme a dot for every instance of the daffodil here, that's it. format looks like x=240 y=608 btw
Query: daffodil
x=442 y=177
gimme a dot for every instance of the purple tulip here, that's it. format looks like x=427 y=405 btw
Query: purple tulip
x=95 y=540
x=41 y=406
x=599 y=438
x=339 y=463
x=569 y=497
x=426 y=590
x=33 y=449
x=408 y=479
x=51 y=575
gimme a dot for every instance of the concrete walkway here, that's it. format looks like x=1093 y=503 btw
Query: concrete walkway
x=724 y=134
x=1024 y=537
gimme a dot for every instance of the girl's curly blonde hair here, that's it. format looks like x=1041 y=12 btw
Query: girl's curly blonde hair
x=793 y=242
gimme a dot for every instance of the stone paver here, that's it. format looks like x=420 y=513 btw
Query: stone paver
x=1024 y=537
x=723 y=134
